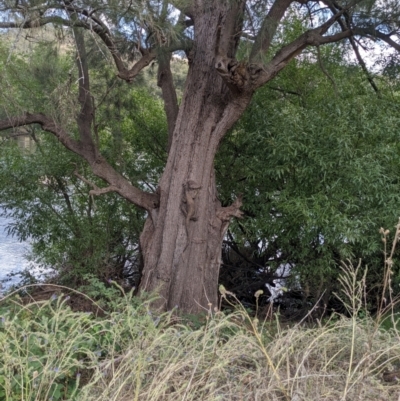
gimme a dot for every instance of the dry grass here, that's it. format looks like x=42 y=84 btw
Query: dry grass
x=147 y=357
x=232 y=358
x=139 y=355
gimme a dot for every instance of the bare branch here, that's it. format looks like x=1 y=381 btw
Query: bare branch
x=34 y=23
x=96 y=190
x=73 y=8
x=47 y=124
x=371 y=32
x=269 y=27
x=103 y=32
x=102 y=191
x=129 y=74
x=344 y=25
x=82 y=178
x=363 y=65
x=98 y=164
x=97 y=27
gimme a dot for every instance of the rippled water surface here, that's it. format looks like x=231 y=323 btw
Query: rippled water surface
x=11 y=253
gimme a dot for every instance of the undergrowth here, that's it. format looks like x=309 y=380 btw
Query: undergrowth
x=48 y=352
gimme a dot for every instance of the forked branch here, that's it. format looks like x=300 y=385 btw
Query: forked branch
x=96 y=190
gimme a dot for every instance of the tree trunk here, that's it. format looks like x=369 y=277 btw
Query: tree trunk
x=182 y=239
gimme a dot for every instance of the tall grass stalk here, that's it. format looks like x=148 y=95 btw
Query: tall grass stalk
x=387 y=303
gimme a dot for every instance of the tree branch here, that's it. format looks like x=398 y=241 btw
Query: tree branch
x=86 y=114
x=363 y=65
x=225 y=214
x=284 y=91
x=98 y=164
x=96 y=190
x=46 y=123
x=227 y=37
x=166 y=83
x=269 y=27
x=324 y=70
x=186 y=7
x=105 y=35
x=372 y=32
x=313 y=37
x=344 y=25
x=34 y=23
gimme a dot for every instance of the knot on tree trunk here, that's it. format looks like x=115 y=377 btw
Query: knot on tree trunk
x=190 y=191
x=235 y=73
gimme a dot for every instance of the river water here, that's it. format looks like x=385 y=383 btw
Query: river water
x=12 y=254
x=12 y=251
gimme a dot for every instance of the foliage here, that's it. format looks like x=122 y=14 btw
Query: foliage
x=319 y=174
x=69 y=230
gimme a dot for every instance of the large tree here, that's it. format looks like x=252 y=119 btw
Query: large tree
x=233 y=47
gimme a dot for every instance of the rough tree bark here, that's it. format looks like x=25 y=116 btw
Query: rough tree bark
x=182 y=238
